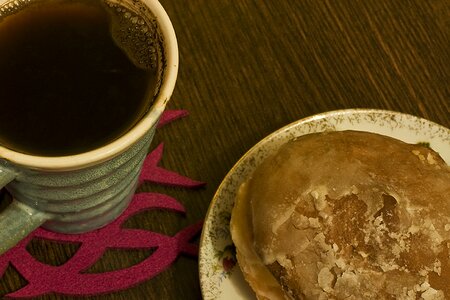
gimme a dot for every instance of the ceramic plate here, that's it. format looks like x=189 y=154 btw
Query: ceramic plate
x=220 y=276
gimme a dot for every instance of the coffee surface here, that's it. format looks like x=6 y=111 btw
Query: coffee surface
x=66 y=85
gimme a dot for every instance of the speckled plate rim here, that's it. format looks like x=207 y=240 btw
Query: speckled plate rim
x=220 y=278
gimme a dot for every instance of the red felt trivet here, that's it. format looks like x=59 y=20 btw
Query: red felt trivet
x=70 y=278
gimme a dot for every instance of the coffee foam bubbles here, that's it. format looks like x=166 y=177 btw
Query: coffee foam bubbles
x=134 y=29
x=12 y=7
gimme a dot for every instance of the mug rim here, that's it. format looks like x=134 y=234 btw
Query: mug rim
x=122 y=143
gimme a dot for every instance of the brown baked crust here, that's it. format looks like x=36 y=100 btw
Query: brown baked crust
x=346 y=215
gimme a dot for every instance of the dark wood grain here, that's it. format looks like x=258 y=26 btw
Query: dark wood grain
x=248 y=68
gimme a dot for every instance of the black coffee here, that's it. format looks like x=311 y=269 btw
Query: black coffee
x=74 y=75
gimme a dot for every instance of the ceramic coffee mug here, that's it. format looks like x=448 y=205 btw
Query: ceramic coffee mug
x=82 y=192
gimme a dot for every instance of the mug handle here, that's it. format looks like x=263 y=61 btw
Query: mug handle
x=18 y=219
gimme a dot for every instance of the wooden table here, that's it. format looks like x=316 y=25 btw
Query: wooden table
x=250 y=67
